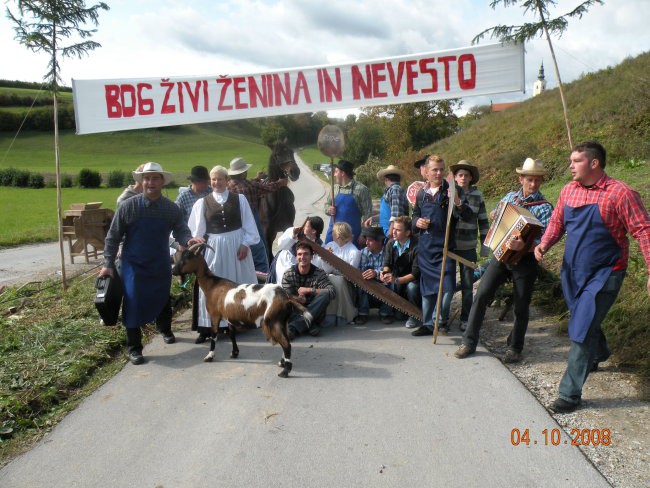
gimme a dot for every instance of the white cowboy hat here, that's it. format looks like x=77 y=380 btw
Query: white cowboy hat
x=238 y=166
x=532 y=167
x=466 y=165
x=152 y=168
x=389 y=170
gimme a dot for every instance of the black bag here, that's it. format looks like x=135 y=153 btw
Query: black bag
x=108 y=298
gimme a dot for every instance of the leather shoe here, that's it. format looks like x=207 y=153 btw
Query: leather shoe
x=422 y=331
x=464 y=350
x=169 y=337
x=512 y=356
x=387 y=319
x=292 y=333
x=314 y=330
x=136 y=357
x=361 y=319
x=562 y=406
x=201 y=339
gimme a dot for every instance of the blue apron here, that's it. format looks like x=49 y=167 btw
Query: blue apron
x=346 y=211
x=589 y=256
x=146 y=271
x=384 y=216
x=431 y=243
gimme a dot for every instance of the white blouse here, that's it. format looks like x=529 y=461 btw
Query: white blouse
x=197 y=218
x=348 y=253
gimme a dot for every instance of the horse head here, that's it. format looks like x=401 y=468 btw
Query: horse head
x=282 y=163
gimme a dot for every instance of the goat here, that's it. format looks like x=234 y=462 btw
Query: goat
x=243 y=306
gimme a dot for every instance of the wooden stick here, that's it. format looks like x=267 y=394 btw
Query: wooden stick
x=332 y=217
x=445 y=250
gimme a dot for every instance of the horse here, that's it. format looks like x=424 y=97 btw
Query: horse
x=277 y=210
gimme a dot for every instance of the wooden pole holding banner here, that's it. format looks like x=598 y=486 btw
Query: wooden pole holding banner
x=445 y=249
x=332 y=144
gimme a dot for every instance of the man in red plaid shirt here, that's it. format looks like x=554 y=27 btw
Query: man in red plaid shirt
x=596 y=212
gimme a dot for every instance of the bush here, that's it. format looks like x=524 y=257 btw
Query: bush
x=66 y=181
x=14 y=177
x=36 y=180
x=116 y=179
x=89 y=179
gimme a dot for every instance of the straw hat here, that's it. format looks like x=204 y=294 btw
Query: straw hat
x=389 y=170
x=532 y=167
x=238 y=166
x=152 y=168
x=466 y=165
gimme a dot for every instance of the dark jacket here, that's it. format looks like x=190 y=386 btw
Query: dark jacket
x=405 y=264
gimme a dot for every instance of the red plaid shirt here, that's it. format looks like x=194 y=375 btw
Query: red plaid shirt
x=253 y=190
x=620 y=208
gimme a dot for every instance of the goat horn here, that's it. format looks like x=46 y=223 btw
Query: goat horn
x=195 y=248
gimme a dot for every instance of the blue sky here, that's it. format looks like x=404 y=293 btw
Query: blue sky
x=146 y=38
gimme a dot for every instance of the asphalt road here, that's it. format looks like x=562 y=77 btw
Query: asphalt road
x=365 y=406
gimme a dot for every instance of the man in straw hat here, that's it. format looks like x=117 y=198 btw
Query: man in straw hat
x=253 y=190
x=596 y=212
x=522 y=274
x=145 y=222
x=393 y=201
x=473 y=224
x=352 y=201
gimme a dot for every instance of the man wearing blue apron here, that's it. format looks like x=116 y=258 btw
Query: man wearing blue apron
x=393 y=202
x=430 y=224
x=145 y=222
x=352 y=201
x=596 y=212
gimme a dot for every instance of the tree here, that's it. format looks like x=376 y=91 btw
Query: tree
x=545 y=25
x=49 y=23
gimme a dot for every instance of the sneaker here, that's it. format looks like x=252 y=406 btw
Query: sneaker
x=464 y=350
x=136 y=357
x=169 y=337
x=387 y=319
x=422 y=331
x=512 y=356
x=562 y=406
x=412 y=323
x=361 y=319
x=463 y=326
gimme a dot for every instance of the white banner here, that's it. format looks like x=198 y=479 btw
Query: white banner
x=137 y=103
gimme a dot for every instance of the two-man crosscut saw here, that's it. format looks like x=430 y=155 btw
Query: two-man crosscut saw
x=373 y=287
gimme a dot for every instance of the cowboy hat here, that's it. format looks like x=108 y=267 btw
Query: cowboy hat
x=238 y=166
x=420 y=162
x=532 y=167
x=346 y=166
x=466 y=165
x=199 y=173
x=152 y=168
x=376 y=233
x=389 y=170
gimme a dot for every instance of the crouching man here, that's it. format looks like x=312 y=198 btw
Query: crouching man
x=313 y=289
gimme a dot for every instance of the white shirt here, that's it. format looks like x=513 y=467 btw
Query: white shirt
x=285 y=259
x=197 y=218
x=348 y=253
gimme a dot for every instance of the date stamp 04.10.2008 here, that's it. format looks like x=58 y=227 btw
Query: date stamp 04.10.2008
x=557 y=437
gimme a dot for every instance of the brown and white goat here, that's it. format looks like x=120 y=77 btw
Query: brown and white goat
x=243 y=306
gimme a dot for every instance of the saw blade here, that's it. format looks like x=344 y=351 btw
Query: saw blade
x=373 y=287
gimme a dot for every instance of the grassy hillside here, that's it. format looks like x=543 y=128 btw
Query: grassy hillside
x=611 y=106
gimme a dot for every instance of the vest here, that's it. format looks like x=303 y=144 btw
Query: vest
x=222 y=218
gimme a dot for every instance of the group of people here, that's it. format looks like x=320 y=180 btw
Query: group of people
x=405 y=252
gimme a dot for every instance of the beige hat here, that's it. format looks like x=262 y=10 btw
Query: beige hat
x=152 y=168
x=466 y=165
x=238 y=166
x=389 y=170
x=532 y=167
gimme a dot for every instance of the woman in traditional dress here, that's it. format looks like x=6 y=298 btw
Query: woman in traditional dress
x=342 y=246
x=226 y=222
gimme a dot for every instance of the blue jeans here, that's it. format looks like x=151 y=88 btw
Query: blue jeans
x=466 y=288
x=594 y=348
x=317 y=307
x=258 y=251
x=365 y=301
x=523 y=277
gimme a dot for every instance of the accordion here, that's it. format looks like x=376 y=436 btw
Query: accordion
x=108 y=298
x=511 y=220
